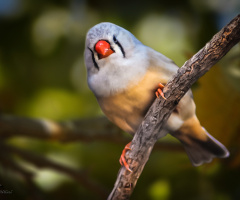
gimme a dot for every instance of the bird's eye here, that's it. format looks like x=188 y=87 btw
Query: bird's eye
x=115 y=39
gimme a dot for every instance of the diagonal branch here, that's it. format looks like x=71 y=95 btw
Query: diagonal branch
x=147 y=133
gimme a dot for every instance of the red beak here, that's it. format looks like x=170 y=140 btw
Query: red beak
x=103 y=49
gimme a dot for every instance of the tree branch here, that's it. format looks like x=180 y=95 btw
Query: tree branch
x=69 y=131
x=66 y=131
x=147 y=133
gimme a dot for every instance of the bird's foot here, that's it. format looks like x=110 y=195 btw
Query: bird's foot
x=159 y=91
x=122 y=159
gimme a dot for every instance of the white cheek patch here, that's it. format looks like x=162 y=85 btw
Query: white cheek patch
x=117 y=73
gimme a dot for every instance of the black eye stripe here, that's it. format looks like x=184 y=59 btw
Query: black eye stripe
x=93 y=59
x=115 y=39
x=120 y=46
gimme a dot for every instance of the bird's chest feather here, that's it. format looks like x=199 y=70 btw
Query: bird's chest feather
x=127 y=108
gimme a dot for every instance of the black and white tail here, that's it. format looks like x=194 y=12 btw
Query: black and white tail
x=200 y=146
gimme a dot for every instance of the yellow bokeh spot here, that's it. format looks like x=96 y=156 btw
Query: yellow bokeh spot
x=56 y=104
x=160 y=190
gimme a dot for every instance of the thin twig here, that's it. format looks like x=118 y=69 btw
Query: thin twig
x=42 y=162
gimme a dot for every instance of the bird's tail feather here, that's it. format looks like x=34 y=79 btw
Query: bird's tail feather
x=200 y=152
x=200 y=146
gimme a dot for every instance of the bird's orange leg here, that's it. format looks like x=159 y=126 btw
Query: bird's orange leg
x=122 y=159
x=159 y=91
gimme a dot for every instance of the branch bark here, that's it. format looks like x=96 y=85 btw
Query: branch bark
x=147 y=133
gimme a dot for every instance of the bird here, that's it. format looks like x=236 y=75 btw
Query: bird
x=126 y=76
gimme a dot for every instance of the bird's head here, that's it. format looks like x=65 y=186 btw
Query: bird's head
x=111 y=54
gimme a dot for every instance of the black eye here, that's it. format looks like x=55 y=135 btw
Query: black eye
x=115 y=39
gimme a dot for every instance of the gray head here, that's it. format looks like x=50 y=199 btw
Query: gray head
x=121 y=42
x=111 y=52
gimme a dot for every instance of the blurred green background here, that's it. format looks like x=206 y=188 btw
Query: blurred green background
x=42 y=75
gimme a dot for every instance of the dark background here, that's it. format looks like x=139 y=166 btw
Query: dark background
x=42 y=75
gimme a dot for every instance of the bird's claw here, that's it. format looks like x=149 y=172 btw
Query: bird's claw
x=159 y=91
x=122 y=159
